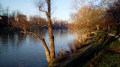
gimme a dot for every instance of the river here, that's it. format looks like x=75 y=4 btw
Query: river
x=18 y=50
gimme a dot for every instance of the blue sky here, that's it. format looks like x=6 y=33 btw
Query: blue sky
x=61 y=8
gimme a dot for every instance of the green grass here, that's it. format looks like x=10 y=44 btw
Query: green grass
x=55 y=61
x=115 y=44
x=107 y=58
x=110 y=60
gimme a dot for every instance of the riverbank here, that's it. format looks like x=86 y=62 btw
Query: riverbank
x=12 y=30
x=7 y=29
x=90 y=56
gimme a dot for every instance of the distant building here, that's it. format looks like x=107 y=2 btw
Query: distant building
x=16 y=19
x=0 y=18
x=3 y=21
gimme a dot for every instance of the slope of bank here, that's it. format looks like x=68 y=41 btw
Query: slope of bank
x=86 y=57
x=109 y=57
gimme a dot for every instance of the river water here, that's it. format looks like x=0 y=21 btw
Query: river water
x=18 y=50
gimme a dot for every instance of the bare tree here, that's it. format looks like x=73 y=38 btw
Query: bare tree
x=41 y=22
x=45 y=6
x=86 y=20
x=113 y=15
x=20 y=22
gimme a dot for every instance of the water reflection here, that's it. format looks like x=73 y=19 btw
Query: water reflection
x=4 y=39
x=27 y=51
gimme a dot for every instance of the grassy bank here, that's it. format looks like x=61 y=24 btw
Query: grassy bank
x=110 y=57
x=95 y=54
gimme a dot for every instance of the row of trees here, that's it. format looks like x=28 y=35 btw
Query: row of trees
x=36 y=21
x=59 y=24
x=15 y=19
x=15 y=16
x=91 y=16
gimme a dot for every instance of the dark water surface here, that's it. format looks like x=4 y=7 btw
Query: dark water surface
x=18 y=50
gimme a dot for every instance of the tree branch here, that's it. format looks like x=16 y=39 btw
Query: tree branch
x=44 y=45
x=43 y=11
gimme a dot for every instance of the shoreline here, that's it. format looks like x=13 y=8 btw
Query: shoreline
x=79 y=57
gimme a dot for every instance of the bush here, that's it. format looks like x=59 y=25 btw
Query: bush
x=76 y=45
x=62 y=53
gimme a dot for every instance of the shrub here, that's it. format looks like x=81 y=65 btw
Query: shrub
x=62 y=53
x=76 y=45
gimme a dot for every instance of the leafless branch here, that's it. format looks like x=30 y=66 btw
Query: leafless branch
x=42 y=10
x=32 y=34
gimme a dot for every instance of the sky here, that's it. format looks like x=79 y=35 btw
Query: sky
x=61 y=8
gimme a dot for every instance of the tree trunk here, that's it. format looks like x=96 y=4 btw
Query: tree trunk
x=44 y=45
x=46 y=50
x=51 y=37
x=98 y=27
